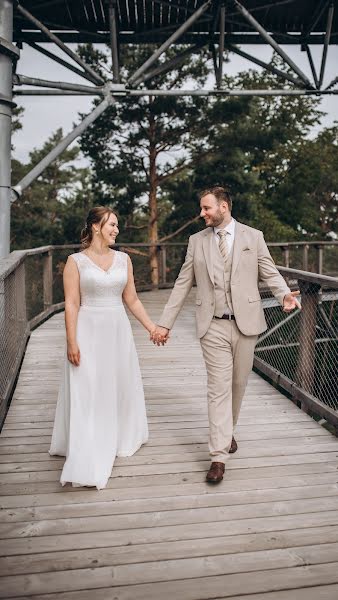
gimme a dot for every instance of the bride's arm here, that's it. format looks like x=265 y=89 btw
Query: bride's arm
x=71 y=284
x=134 y=304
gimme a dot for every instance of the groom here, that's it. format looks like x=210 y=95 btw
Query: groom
x=226 y=260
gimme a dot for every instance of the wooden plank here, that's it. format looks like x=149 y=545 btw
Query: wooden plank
x=195 y=486
x=176 y=478
x=136 y=574
x=166 y=518
x=149 y=535
x=173 y=502
x=100 y=557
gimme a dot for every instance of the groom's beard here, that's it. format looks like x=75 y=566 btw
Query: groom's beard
x=214 y=221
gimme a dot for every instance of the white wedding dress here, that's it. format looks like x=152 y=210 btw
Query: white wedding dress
x=100 y=411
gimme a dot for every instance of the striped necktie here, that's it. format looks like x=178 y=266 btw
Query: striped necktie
x=223 y=246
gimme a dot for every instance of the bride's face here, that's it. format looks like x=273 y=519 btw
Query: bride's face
x=110 y=230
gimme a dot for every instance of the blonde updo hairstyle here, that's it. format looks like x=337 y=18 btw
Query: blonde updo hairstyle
x=97 y=215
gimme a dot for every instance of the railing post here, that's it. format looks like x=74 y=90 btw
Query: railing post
x=306 y=257
x=307 y=335
x=319 y=259
x=48 y=280
x=286 y=255
x=164 y=264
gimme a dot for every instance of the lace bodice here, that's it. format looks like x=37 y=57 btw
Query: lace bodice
x=99 y=287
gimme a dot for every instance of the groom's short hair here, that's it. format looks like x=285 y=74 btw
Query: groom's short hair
x=222 y=194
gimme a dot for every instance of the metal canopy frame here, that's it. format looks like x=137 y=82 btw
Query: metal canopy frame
x=220 y=24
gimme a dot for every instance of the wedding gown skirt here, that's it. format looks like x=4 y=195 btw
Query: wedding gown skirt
x=100 y=411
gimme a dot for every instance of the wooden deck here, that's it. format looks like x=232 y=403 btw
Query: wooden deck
x=269 y=531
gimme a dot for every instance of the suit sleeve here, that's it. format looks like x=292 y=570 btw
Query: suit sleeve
x=268 y=272
x=182 y=287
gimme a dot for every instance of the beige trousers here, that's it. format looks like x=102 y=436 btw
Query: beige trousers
x=228 y=356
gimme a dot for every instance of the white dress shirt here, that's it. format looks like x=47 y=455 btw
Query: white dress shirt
x=230 y=228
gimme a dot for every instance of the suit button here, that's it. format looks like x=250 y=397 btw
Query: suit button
x=212 y=303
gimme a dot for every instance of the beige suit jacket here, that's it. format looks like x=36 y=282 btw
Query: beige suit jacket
x=251 y=263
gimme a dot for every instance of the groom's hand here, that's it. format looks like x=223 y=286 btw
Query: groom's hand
x=290 y=301
x=160 y=335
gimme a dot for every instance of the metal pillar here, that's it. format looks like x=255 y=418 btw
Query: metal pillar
x=8 y=53
x=113 y=41
x=221 y=48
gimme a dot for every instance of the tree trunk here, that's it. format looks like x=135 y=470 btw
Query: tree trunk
x=153 y=216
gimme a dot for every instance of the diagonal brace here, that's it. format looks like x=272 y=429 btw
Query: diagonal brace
x=177 y=34
x=62 y=62
x=170 y=64
x=62 y=145
x=267 y=37
x=59 y=85
x=60 y=44
x=265 y=65
x=326 y=43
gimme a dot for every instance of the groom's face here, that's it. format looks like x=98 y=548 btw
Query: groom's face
x=212 y=212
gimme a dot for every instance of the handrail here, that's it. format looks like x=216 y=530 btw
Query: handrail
x=308 y=276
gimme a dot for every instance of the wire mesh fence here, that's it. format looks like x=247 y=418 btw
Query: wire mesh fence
x=13 y=329
x=302 y=346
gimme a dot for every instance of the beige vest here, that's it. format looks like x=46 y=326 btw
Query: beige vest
x=222 y=273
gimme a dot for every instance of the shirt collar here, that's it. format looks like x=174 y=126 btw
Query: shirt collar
x=230 y=228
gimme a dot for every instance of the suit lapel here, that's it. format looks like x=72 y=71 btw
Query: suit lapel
x=239 y=245
x=207 y=246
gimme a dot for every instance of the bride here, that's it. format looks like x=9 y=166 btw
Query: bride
x=100 y=411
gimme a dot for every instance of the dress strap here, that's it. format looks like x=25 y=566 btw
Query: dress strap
x=77 y=257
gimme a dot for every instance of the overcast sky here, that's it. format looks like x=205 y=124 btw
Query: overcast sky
x=43 y=115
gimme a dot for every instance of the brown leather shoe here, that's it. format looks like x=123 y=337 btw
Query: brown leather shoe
x=233 y=447
x=216 y=472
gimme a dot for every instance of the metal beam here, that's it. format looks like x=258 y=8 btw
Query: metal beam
x=227 y=92
x=326 y=43
x=61 y=146
x=114 y=41
x=171 y=40
x=265 y=65
x=60 y=44
x=25 y=92
x=267 y=37
x=221 y=47
x=313 y=70
x=321 y=7
x=6 y=68
x=331 y=84
x=59 y=85
x=130 y=37
x=170 y=64
x=62 y=62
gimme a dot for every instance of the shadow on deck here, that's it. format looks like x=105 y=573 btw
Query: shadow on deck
x=269 y=531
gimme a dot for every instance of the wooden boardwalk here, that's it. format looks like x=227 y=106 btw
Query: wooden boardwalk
x=269 y=531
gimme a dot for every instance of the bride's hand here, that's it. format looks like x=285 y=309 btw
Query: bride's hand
x=73 y=354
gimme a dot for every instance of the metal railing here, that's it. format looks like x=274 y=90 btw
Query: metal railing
x=299 y=351
x=31 y=291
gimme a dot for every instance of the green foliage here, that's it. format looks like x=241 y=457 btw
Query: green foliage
x=53 y=208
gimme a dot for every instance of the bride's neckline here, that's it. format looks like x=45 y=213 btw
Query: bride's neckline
x=98 y=266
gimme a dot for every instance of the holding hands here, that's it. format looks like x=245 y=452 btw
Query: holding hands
x=159 y=335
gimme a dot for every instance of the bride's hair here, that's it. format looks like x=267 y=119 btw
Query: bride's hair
x=97 y=214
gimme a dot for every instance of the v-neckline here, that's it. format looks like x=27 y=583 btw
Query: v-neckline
x=97 y=266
